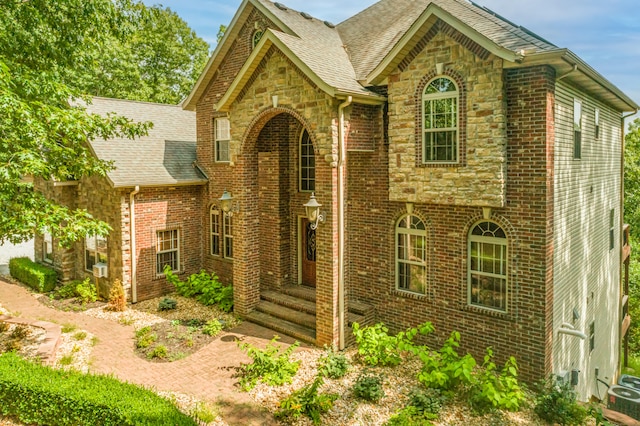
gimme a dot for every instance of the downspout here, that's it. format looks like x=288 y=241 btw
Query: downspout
x=132 y=244
x=342 y=157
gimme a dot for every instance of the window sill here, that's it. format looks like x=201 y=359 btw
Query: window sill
x=161 y=276
x=220 y=258
x=409 y=294
x=488 y=312
x=434 y=164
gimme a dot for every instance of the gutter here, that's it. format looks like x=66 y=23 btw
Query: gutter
x=132 y=244
x=342 y=154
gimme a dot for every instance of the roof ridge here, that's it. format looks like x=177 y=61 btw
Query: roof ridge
x=135 y=101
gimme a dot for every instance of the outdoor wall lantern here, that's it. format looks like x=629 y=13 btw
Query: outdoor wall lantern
x=226 y=203
x=312 y=208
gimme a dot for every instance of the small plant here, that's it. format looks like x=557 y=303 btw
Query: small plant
x=80 y=335
x=126 y=320
x=556 y=403
x=66 y=360
x=446 y=369
x=204 y=412
x=377 y=347
x=212 y=328
x=146 y=340
x=333 y=365
x=427 y=402
x=167 y=304
x=3 y=326
x=269 y=366
x=143 y=330
x=75 y=349
x=94 y=340
x=159 y=351
x=66 y=291
x=177 y=356
x=368 y=387
x=205 y=288
x=20 y=332
x=117 y=298
x=306 y=401
x=408 y=416
x=68 y=327
x=86 y=292
x=496 y=390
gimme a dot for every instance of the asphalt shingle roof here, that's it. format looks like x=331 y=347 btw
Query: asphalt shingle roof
x=164 y=157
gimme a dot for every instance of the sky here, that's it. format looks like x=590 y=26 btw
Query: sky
x=605 y=34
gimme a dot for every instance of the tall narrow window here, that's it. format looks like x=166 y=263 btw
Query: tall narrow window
x=411 y=255
x=167 y=250
x=612 y=233
x=255 y=38
x=577 y=129
x=487 y=273
x=221 y=233
x=47 y=247
x=592 y=336
x=440 y=121
x=95 y=251
x=307 y=163
x=222 y=137
x=597 y=123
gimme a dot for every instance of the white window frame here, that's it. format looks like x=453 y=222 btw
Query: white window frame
x=228 y=236
x=428 y=131
x=95 y=247
x=221 y=230
x=47 y=247
x=612 y=229
x=404 y=236
x=167 y=235
x=306 y=183
x=577 y=129
x=222 y=139
x=596 y=120
x=256 y=37
x=495 y=242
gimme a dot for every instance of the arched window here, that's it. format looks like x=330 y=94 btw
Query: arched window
x=411 y=255
x=307 y=163
x=440 y=121
x=487 y=266
x=255 y=38
x=221 y=228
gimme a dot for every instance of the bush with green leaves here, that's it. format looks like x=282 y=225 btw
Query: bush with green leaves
x=205 y=288
x=36 y=394
x=427 y=402
x=556 y=403
x=496 y=390
x=333 y=365
x=86 y=292
x=212 y=327
x=377 y=347
x=408 y=416
x=269 y=366
x=167 y=304
x=39 y=277
x=368 y=387
x=446 y=369
x=306 y=401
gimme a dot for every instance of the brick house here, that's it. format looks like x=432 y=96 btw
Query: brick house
x=155 y=177
x=469 y=174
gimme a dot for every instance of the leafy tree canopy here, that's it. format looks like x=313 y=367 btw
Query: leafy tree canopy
x=632 y=177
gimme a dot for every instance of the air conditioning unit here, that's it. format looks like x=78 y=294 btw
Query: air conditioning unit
x=629 y=381
x=100 y=270
x=624 y=400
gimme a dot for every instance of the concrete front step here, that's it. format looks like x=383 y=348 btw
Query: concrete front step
x=304 y=334
x=299 y=304
x=288 y=314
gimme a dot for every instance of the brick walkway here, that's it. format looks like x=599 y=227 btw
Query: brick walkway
x=205 y=374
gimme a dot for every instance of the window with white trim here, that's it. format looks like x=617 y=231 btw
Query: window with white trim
x=612 y=229
x=592 y=336
x=95 y=251
x=307 y=163
x=440 y=142
x=411 y=255
x=577 y=129
x=222 y=131
x=221 y=233
x=167 y=250
x=596 y=123
x=47 y=247
x=487 y=267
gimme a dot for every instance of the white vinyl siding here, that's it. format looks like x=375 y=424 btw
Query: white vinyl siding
x=586 y=274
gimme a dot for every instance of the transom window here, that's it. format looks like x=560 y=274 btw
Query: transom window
x=95 y=251
x=221 y=233
x=222 y=130
x=307 y=163
x=487 y=274
x=440 y=121
x=167 y=250
x=411 y=255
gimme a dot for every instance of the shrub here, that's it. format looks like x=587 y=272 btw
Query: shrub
x=39 y=277
x=427 y=402
x=145 y=337
x=159 y=351
x=333 y=365
x=80 y=335
x=377 y=347
x=66 y=291
x=306 y=401
x=368 y=387
x=167 y=304
x=269 y=365
x=212 y=328
x=446 y=369
x=556 y=403
x=36 y=394
x=204 y=287
x=86 y=292
x=117 y=299
x=497 y=390
x=408 y=416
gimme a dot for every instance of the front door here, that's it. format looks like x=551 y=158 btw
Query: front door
x=308 y=254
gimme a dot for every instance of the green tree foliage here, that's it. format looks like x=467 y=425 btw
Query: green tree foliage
x=44 y=129
x=632 y=177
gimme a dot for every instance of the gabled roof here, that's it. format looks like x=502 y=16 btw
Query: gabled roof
x=165 y=157
x=362 y=51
